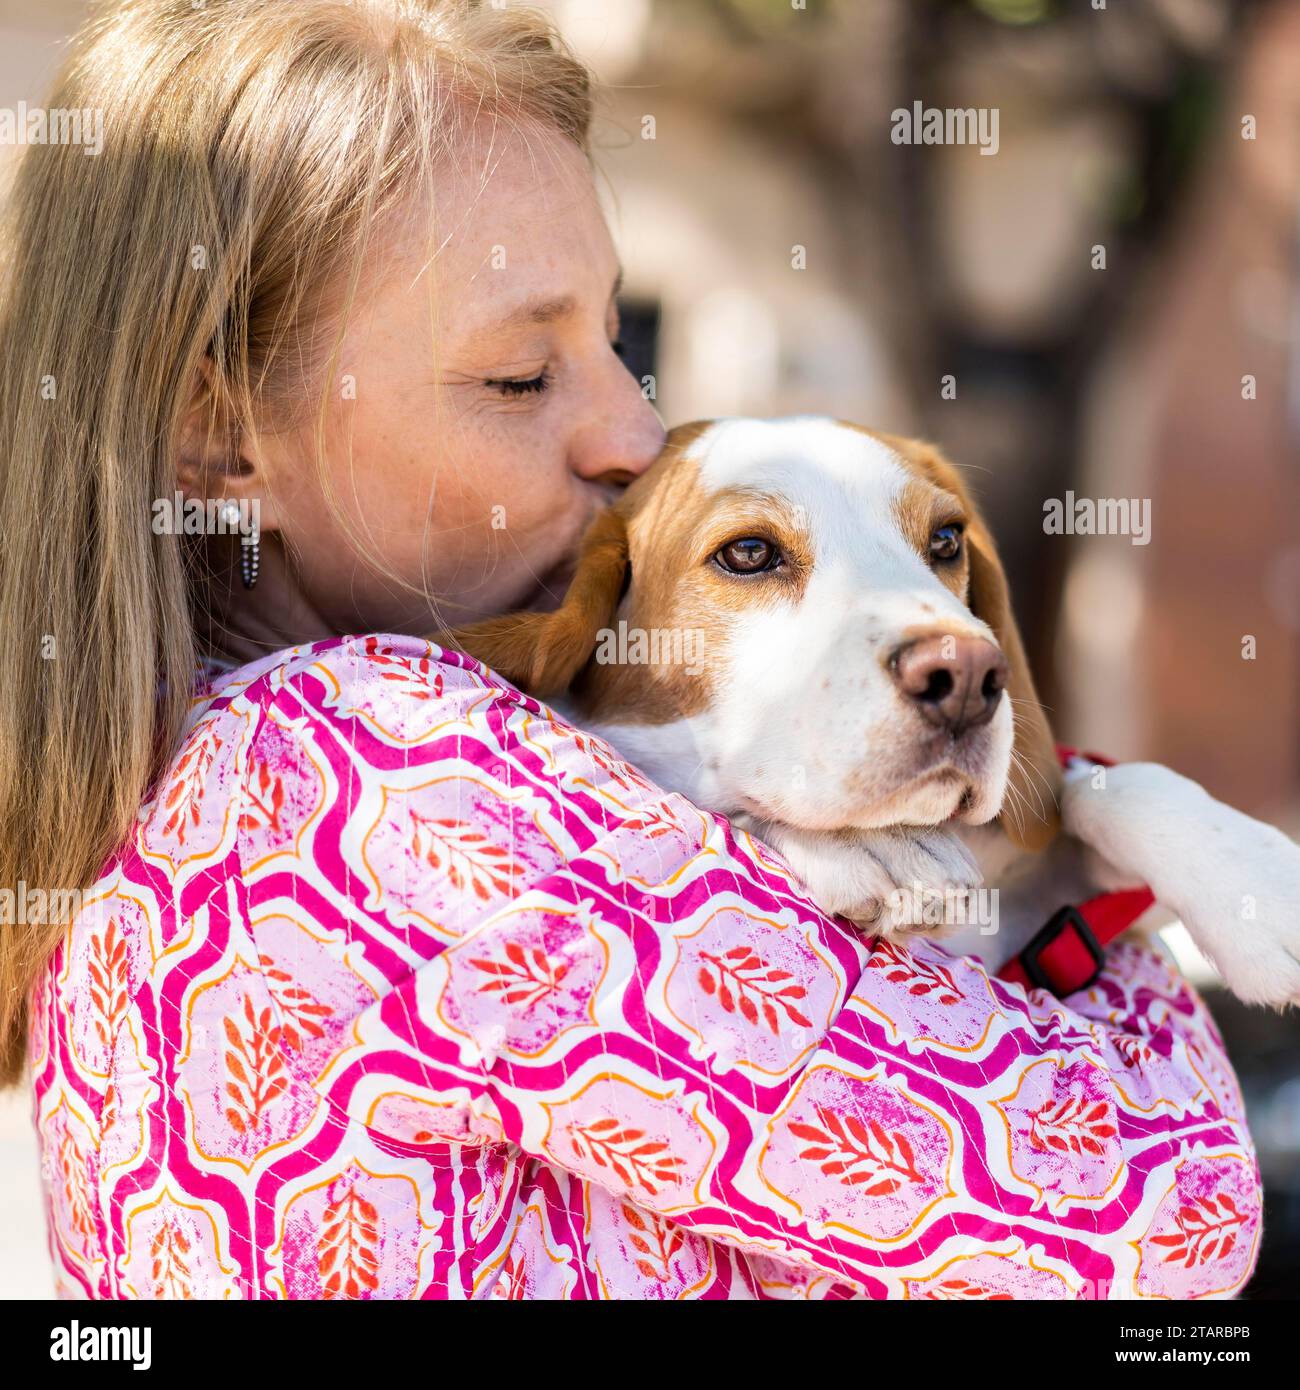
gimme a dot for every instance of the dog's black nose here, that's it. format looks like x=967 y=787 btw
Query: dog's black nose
x=955 y=682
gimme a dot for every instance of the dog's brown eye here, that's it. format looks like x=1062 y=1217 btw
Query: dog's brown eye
x=750 y=555
x=945 y=544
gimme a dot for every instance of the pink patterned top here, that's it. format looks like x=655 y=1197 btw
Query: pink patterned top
x=405 y=988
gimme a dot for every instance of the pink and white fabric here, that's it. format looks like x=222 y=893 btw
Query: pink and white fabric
x=404 y=988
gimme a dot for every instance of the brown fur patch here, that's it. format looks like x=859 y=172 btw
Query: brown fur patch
x=675 y=526
x=666 y=526
x=920 y=509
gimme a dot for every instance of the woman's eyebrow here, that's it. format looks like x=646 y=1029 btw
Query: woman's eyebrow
x=541 y=310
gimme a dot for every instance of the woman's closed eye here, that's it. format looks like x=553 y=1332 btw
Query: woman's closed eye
x=513 y=387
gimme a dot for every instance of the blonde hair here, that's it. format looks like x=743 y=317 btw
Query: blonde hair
x=275 y=136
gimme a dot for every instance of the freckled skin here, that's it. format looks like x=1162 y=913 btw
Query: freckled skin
x=427 y=449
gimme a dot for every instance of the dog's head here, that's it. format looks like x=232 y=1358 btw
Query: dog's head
x=820 y=613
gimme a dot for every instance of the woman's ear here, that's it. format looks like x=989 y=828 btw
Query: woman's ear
x=214 y=459
x=1030 y=812
x=542 y=653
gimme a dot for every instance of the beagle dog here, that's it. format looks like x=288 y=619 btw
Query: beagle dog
x=803 y=625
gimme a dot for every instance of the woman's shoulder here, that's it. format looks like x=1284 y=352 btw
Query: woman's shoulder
x=369 y=666
x=331 y=717
x=375 y=702
x=380 y=699
x=382 y=716
x=391 y=743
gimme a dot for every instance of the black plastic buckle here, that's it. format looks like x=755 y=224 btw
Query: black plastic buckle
x=1067 y=916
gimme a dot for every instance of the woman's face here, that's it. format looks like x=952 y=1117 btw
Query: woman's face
x=489 y=414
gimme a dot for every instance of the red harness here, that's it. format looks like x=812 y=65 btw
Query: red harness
x=1069 y=952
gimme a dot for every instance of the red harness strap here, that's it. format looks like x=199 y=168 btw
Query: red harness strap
x=1069 y=952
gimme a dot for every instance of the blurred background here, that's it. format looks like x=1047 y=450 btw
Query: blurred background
x=1107 y=306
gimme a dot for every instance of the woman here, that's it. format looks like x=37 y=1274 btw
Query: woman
x=387 y=983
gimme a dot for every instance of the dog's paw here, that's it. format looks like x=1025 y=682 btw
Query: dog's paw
x=1242 y=909
x=888 y=882
x=932 y=875
x=1233 y=882
x=1263 y=965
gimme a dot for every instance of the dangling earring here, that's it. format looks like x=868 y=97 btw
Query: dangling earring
x=250 y=556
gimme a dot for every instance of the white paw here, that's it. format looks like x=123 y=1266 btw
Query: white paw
x=1233 y=881
x=888 y=882
x=1241 y=906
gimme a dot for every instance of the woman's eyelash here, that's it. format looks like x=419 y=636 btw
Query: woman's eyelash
x=530 y=386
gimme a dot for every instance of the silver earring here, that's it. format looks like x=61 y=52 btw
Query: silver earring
x=250 y=556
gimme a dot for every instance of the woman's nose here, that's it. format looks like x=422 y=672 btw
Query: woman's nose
x=622 y=435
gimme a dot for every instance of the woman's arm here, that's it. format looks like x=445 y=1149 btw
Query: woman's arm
x=551 y=953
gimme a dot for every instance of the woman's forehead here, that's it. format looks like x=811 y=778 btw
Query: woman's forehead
x=517 y=219
x=472 y=267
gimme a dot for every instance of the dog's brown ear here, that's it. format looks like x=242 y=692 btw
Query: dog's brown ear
x=542 y=653
x=1030 y=814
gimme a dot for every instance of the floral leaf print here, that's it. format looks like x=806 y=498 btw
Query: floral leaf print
x=299 y=1009
x=961 y=1290
x=524 y=977
x=926 y=978
x=634 y=1160
x=655 y=819
x=265 y=793
x=623 y=776
x=254 y=1068
x=1134 y=1050
x=858 y=1153
x=1208 y=1228
x=1071 y=1125
x=422 y=1078
x=345 y=1251
x=184 y=795
x=108 y=1116
x=168 y=1268
x=743 y=982
x=654 y=1240
x=417 y=678
x=512 y=1286
x=466 y=855
x=72 y=1174
x=109 y=994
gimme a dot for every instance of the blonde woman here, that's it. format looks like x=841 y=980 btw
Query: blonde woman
x=383 y=981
